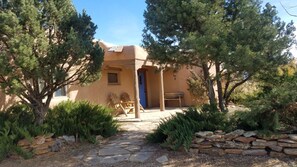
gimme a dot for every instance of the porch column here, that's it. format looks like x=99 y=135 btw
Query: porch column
x=161 y=97
x=136 y=94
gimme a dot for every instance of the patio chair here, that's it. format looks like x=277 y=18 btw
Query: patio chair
x=114 y=102
x=127 y=102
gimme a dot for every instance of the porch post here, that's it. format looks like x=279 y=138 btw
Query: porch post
x=161 y=97
x=136 y=94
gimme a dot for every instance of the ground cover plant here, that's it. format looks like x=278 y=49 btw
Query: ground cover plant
x=177 y=131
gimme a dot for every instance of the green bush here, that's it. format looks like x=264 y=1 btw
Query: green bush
x=259 y=120
x=10 y=134
x=17 y=123
x=82 y=120
x=178 y=130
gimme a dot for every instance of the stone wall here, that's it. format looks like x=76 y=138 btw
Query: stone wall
x=244 y=143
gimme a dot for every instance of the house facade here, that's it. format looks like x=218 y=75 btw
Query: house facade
x=127 y=69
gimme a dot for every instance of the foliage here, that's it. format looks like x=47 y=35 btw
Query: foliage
x=10 y=133
x=81 y=119
x=16 y=123
x=247 y=39
x=45 y=45
x=256 y=120
x=178 y=130
x=245 y=92
x=197 y=88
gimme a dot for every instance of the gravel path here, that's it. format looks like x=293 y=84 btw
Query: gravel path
x=129 y=148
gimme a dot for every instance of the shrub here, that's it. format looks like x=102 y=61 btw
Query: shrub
x=259 y=120
x=17 y=123
x=10 y=134
x=178 y=130
x=82 y=120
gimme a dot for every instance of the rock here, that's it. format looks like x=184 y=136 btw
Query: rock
x=41 y=151
x=290 y=151
x=293 y=137
x=277 y=155
x=219 y=132
x=276 y=148
x=234 y=134
x=261 y=140
x=110 y=159
x=163 y=160
x=273 y=137
x=49 y=139
x=287 y=141
x=198 y=140
x=112 y=151
x=24 y=142
x=233 y=151
x=69 y=139
x=203 y=134
x=38 y=140
x=133 y=148
x=99 y=138
x=287 y=145
x=258 y=147
x=56 y=146
x=212 y=151
x=215 y=137
x=250 y=133
x=257 y=152
x=201 y=146
x=266 y=143
x=231 y=144
x=140 y=156
x=245 y=139
x=43 y=146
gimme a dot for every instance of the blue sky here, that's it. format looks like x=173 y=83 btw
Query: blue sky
x=121 y=21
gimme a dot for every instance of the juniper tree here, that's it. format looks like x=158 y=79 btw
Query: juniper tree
x=45 y=45
x=237 y=38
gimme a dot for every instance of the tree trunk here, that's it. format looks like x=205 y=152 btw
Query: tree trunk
x=209 y=85
x=40 y=111
x=219 y=87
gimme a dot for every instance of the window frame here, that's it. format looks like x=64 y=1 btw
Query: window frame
x=117 y=78
x=65 y=91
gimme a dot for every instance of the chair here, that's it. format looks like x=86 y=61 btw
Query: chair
x=127 y=102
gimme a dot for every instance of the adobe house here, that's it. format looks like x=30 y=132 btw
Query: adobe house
x=127 y=69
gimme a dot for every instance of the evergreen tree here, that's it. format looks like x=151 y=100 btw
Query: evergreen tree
x=45 y=45
x=237 y=38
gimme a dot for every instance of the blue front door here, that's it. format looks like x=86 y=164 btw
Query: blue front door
x=142 y=88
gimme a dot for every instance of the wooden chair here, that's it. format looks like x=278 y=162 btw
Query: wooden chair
x=128 y=103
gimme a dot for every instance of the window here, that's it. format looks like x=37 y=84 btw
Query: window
x=113 y=78
x=61 y=92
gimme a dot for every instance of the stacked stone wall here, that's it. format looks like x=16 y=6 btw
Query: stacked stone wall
x=244 y=143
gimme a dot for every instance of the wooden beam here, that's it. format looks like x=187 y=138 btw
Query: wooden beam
x=136 y=93
x=162 y=99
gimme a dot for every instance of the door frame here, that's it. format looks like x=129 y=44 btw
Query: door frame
x=143 y=71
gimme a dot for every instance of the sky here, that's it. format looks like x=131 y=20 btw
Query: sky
x=121 y=22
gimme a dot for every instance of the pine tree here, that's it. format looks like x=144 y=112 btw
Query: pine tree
x=236 y=38
x=45 y=45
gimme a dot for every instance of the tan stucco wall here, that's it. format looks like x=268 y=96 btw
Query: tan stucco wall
x=98 y=91
x=177 y=82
